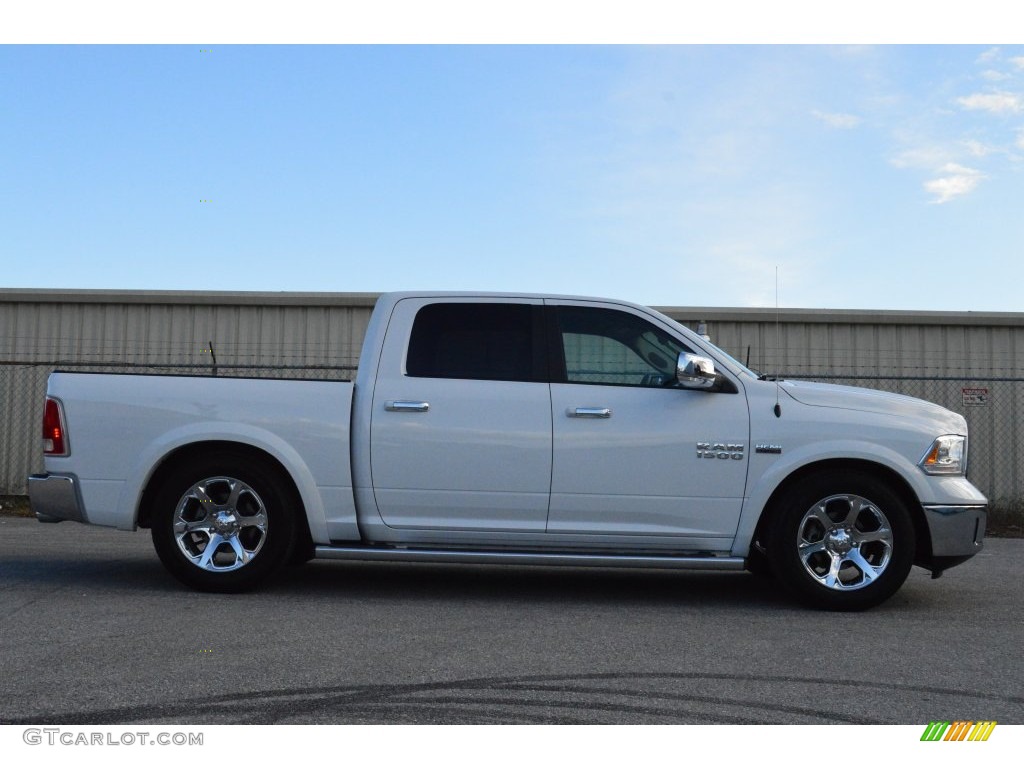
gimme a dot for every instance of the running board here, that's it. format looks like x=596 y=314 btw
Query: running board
x=489 y=557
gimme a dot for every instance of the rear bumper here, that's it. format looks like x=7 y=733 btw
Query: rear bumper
x=55 y=498
x=957 y=533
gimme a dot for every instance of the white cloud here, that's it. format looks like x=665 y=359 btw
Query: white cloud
x=990 y=55
x=1018 y=62
x=998 y=102
x=957 y=182
x=1020 y=139
x=977 y=149
x=995 y=75
x=927 y=157
x=837 y=119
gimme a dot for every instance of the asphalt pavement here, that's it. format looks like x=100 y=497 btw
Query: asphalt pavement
x=94 y=631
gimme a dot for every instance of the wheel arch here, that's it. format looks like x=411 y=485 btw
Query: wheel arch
x=892 y=478
x=188 y=452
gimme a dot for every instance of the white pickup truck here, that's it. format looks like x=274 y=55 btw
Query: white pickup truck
x=544 y=430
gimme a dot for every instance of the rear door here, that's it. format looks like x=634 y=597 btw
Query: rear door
x=461 y=421
x=627 y=459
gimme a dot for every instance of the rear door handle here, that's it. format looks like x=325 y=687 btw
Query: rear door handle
x=589 y=413
x=407 y=406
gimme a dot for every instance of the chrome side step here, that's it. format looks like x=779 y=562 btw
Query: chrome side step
x=489 y=557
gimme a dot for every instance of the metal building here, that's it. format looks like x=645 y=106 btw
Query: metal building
x=970 y=362
x=294 y=335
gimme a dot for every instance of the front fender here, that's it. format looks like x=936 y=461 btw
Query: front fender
x=768 y=472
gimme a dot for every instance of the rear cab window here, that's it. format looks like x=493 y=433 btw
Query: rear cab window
x=489 y=341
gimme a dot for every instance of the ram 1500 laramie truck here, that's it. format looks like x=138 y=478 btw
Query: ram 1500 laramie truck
x=539 y=430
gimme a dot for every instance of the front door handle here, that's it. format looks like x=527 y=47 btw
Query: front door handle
x=407 y=406
x=589 y=413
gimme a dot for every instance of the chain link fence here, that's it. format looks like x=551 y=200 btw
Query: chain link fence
x=993 y=408
x=23 y=390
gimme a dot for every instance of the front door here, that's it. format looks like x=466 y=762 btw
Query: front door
x=627 y=455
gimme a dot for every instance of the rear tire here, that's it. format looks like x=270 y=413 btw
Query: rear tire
x=841 y=540
x=224 y=521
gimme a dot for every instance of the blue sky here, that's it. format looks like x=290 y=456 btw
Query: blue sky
x=878 y=177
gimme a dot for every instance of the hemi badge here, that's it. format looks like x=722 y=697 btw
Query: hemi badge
x=765 y=448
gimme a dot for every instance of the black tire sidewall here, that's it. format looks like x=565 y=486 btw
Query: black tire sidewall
x=787 y=513
x=279 y=503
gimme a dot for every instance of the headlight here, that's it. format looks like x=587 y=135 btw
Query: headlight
x=947 y=456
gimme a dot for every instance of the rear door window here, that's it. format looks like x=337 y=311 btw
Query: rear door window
x=492 y=341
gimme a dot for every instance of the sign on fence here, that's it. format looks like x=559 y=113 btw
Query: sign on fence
x=974 y=395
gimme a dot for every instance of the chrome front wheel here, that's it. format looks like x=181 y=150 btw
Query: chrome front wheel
x=845 y=542
x=840 y=539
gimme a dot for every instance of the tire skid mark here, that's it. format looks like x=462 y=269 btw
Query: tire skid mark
x=513 y=711
x=338 y=707
x=288 y=703
x=499 y=716
x=704 y=699
x=342 y=704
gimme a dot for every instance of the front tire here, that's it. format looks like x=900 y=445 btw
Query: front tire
x=224 y=522
x=841 y=540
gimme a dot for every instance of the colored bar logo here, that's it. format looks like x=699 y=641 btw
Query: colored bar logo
x=960 y=730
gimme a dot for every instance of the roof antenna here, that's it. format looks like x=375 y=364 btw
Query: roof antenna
x=778 y=346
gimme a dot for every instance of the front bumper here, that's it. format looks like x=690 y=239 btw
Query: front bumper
x=957 y=533
x=55 y=498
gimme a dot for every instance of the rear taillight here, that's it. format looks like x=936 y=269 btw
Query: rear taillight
x=55 y=438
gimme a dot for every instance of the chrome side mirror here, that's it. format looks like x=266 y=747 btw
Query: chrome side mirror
x=695 y=372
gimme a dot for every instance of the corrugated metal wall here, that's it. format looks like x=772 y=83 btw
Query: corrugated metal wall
x=845 y=343
x=253 y=334
x=931 y=355
x=169 y=328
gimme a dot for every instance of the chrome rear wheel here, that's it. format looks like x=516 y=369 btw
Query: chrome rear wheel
x=220 y=524
x=224 y=521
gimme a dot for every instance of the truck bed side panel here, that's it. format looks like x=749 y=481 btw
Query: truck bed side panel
x=121 y=427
